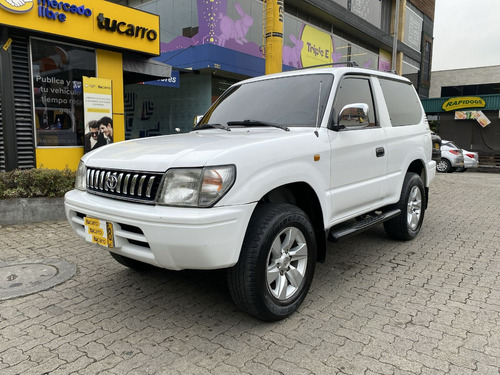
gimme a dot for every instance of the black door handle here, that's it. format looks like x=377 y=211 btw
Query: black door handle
x=379 y=151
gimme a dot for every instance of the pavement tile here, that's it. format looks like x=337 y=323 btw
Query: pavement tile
x=376 y=306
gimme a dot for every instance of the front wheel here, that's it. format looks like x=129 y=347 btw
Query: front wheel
x=443 y=166
x=411 y=203
x=276 y=264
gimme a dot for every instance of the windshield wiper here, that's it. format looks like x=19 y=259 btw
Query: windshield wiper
x=257 y=123
x=217 y=126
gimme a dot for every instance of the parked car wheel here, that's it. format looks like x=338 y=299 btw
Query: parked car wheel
x=276 y=264
x=443 y=166
x=411 y=203
x=131 y=263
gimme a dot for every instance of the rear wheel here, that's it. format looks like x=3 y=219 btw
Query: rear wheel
x=411 y=203
x=276 y=265
x=443 y=166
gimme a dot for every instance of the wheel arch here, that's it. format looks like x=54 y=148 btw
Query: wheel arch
x=303 y=196
x=418 y=167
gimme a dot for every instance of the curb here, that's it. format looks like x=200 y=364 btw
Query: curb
x=31 y=210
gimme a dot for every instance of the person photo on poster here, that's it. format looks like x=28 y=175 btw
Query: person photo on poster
x=100 y=133
x=106 y=129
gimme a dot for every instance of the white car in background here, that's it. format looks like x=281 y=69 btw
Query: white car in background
x=471 y=160
x=451 y=157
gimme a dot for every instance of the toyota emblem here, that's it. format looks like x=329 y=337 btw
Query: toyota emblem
x=111 y=182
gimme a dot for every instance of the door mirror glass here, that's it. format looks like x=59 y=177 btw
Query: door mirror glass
x=354 y=115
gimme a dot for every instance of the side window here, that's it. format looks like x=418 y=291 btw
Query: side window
x=355 y=90
x=402 y=101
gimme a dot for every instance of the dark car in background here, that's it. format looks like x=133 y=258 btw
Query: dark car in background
x=436 y=147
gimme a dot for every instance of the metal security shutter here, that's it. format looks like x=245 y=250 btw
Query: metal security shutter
x=23 y=102
x=2 y=151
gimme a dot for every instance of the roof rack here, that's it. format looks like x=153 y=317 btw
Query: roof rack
x=350 y=64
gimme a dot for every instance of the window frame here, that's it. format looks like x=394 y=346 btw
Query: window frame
x=373 y=108
x=66 y=111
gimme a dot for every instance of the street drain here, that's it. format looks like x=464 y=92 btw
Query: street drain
x=20 y=278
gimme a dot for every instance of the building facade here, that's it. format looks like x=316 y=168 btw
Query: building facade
x=214 y=43
x=464 y=107
x=47 y=48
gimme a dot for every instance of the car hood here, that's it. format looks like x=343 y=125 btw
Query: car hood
x=194 y=149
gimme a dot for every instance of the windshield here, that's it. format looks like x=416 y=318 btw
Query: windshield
x=285 y=101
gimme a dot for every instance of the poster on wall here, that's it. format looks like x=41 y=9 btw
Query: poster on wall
x=479 y=116
x=482 y=119
x=98 y=112
x=465 y=115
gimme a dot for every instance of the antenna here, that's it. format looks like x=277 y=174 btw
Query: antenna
x=317 y=110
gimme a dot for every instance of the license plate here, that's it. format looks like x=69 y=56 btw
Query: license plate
x=99 y=232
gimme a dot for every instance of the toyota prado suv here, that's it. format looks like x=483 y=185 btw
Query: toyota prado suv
x=278 y=166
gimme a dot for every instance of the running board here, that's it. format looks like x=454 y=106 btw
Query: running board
x=344 y=231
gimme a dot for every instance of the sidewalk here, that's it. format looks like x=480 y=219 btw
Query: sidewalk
x=376 y=306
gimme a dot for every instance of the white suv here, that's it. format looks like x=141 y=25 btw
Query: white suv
x=276 y=167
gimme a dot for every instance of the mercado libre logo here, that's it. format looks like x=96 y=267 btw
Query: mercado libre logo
x=17 y=6
x=49 y=9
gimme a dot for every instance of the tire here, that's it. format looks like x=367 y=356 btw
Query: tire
x=443 y=166
x=411 y=203
x=131 y=263
x=276 y=264
x=460 y=169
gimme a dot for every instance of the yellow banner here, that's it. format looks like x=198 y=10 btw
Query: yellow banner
x=464 y=102
x=96 y=21
x=318 y=47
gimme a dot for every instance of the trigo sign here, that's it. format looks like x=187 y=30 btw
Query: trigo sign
x=464 y=102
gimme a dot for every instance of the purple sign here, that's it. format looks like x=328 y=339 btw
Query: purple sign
x=216 y=27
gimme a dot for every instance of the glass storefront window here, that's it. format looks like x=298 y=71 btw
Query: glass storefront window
x=369 y=10
x=413 y=29
x=57 y=71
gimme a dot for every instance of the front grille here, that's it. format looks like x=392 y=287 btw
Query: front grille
x=126 y=185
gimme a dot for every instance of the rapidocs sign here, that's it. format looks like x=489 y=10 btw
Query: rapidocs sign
x=463 y=102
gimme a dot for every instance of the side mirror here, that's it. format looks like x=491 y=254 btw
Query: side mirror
x=197 y=120
x=353 y=115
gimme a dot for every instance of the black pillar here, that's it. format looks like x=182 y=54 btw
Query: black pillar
x=8 y=105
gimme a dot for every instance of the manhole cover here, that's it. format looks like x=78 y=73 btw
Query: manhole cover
x=20 y=278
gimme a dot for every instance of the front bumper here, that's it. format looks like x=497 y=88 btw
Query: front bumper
x=168 y=237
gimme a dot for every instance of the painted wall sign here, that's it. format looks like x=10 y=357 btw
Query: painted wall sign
x=317 y=47
x=172 y=81
x=91 y=21
x=463 y=102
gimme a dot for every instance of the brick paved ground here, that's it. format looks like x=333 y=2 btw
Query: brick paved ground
x=430 y=306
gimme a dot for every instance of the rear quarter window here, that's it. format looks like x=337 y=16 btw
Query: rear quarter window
x=402 y=101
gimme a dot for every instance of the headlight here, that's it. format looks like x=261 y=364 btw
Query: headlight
x=196 y=187
x=81 y=173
